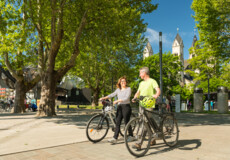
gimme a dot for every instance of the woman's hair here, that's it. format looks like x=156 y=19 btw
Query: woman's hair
x=119 y=81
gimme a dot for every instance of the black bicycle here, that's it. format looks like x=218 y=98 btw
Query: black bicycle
x=5 y=107
x=146 y=128
x=98 y=126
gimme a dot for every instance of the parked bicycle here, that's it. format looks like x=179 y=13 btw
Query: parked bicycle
x=146 y=128
x=5 y=107
x=98 y=126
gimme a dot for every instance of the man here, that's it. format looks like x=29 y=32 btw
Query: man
x=148 y=87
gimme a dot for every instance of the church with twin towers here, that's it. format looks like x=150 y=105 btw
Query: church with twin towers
x=177 y=50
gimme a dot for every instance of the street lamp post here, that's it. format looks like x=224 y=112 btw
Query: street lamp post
x=208 y=94
x=66 y=101
x=160 y=52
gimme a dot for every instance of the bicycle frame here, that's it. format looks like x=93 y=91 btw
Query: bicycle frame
x=110 y=112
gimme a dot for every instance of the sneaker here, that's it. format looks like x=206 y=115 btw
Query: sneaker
x=130 y=139
x=136 y=146
x=113 y=140
x=153 y=142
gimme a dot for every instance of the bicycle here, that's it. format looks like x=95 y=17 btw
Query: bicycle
x=5 y=107
x=146 y=128
x=98 y=126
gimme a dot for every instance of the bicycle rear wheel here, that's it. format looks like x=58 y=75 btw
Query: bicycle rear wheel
x=97 y=128
x=141 y=137
x=122 y=127
x=170 y=131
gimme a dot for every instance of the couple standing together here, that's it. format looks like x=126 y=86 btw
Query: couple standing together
x=148 y=87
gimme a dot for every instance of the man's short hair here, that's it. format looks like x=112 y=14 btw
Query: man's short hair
x=145 y=69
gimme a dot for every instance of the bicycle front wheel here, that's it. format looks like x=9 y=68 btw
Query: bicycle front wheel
x=170 y=131
x=139 y=142
x=97 y=128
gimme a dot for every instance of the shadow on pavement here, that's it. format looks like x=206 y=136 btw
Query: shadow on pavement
x=78 y=120
x=182 y=145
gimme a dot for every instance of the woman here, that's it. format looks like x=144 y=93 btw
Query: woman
x=124 y=110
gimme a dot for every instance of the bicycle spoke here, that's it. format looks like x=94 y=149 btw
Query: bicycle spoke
x=138 y=145
x=170 y=131
x=97 y=128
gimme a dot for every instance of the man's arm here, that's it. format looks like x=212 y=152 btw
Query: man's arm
x=136 y=95
x=157 y=93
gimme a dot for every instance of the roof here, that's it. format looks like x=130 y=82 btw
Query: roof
x=179 y=39
x=6 y=79
x=7 y=74
x=186 y=64
x=194 y=40
x=149 y=47
x=188 y=77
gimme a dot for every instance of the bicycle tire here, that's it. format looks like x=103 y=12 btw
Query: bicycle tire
x=122 y=127
x=170 y=130
x=93 y=128
x=136 y=124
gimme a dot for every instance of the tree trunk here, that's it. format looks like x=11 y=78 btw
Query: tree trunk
x=95 y=98
x=48 y=90
x=19 y=106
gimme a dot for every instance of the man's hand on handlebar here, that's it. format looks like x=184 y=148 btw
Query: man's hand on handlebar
x=134 y=100
x=155 y=96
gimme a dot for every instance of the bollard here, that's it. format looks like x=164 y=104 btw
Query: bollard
x=198 y=100
x=222 y=100
x=67 y=106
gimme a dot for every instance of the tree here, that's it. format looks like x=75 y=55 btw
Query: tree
x=212 y=50
x=105 y=60
x=213 y=21
x=64 y=27
x=17 y=49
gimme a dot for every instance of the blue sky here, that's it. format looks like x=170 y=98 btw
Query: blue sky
x=170 y=15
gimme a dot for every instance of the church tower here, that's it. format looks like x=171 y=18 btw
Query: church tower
x=178 y=50
x=148 y=51
x=178 y=47
x=193 y=45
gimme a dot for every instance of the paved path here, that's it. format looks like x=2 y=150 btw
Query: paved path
x=202 y=137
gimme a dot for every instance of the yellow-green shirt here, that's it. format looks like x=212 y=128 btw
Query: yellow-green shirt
x=147 y=88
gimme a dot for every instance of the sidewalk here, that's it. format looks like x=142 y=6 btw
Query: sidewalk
x=202 y=136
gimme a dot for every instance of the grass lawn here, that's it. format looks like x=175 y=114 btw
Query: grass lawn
x=81 y=106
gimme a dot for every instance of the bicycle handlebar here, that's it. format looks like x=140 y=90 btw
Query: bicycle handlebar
x=141 y=98
x=106 y=102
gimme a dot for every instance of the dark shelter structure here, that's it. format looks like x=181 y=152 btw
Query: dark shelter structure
x=75 y=96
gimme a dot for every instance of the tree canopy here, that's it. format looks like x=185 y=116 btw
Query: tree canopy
x=212 y=50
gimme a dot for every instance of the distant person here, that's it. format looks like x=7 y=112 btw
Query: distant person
x=167 y=105
x=211 y=103
x=187 y=104
x=190 y=105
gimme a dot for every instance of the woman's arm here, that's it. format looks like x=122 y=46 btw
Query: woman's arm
x=113 y=94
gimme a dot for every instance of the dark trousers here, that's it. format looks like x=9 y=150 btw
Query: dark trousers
x=123 y=111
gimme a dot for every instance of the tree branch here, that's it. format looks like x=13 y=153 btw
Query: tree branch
x=9 y=67
x=62 y=71
x=37 y=26
x=33 y=82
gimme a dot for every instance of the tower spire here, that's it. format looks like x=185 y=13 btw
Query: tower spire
x=194 y=31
